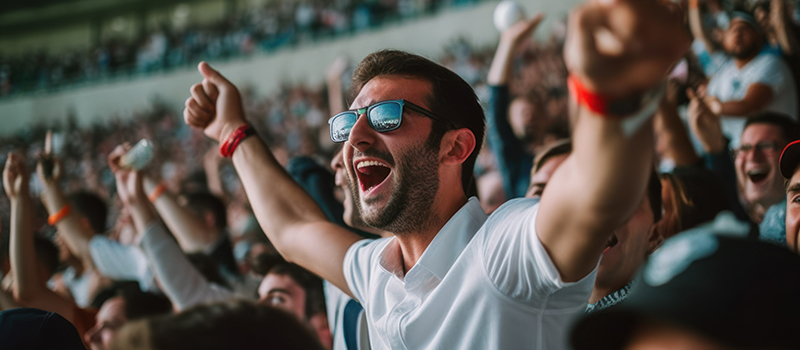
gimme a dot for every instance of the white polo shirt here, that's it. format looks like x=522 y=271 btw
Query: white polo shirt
x=481 y=284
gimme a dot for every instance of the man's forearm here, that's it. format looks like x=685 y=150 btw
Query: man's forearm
x=70 y=227
x=22 y=251
x=188 y=229
x=277 y=200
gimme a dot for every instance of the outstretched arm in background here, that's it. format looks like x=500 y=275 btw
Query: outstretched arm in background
x=287 y=214
x=671 y=131
x=696 y=25
x=73 y=227
x=618 y=49
x=189 y=230
x=513 y=162
x=178 y=278
x=29 y=287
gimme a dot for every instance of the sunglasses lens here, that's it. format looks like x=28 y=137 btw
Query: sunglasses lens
x=385 y=117
x=341 y=125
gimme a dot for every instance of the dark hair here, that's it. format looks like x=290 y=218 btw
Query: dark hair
x=92 y=207
x=46 y=253
x=233 y=324
x=698 y=196
x=788 y=127
x=451 y=98
x=654 y=195
x=138 y=304
x=209 y=267
x=560 y=147
x=200 y=202
x=312 y=285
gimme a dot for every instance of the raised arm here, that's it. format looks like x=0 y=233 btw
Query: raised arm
x=190 y=232
x=290 y=218
x=513 y=162
x=696 y=25
x=29 y=287
x=780 y=22
x=670 y=129
x=72 y=227
x=617 y=49
x=177 y=277
x=333 y=79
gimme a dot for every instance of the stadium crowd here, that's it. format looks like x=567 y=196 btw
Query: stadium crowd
x=633 y=182
x=267 y=28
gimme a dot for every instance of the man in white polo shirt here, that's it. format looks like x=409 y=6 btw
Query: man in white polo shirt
x=451 y=278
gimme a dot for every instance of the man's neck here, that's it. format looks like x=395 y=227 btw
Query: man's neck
x=413 y=245
x=741 y=62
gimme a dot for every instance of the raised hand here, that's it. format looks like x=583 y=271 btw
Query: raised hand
x=522 y=29
x=624 y=47
x=129 y=183
x=15 y=178
x=215 y=105
x=705 y=124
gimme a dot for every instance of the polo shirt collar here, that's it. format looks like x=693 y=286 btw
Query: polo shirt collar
x=445 y=248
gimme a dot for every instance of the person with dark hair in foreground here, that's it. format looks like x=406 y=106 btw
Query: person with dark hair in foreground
x=126 y=305
x=234 y=325
x=451 y=277
x=704 y=290
x=24 y=328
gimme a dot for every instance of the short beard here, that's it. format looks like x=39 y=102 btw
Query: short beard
x=409 y=208
x=745 y=54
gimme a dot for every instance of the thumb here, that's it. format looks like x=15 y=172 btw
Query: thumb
x=211 y=74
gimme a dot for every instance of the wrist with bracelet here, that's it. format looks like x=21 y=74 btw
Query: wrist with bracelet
x=633 y=110
x=233 y=140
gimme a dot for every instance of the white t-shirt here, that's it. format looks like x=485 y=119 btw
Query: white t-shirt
x=346 y=321
x=121 y=262
x=481 y=284
x=729 y=83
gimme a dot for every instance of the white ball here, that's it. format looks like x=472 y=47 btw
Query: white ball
x=506 y=14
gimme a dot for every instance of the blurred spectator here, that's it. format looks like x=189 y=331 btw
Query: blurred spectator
x=235 y=325
x=745 y=79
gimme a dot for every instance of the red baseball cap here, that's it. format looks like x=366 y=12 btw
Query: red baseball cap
x=790 y=158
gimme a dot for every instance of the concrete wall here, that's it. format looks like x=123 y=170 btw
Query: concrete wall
x=264 y=72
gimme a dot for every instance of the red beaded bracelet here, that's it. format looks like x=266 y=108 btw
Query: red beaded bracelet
x=233 y=140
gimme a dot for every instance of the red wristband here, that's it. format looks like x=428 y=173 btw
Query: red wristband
x=157 y=192
x=594 y=102
x=233 y=140
x=60 y=214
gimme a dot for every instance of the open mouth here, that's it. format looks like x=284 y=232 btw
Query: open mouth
x=371 y=173
x=757 y=175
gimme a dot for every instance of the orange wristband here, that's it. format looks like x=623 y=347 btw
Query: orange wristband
x=157 y=192
x=63 y=212
x=693 y=4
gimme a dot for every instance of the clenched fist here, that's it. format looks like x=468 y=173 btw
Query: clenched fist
x=624 y=47
x=215 y=105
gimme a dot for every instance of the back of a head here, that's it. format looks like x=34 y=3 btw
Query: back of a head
x=699 y=196
x=736 y=292
x=46 y=253
x=92 y=207
x=453 y=99
x=200 y=202
x=228 y=325
x=25 y=328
